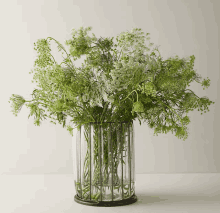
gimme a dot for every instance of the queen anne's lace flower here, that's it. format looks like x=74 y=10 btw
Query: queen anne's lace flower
x=123 y=76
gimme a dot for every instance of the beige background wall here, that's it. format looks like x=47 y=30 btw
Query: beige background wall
x=180 y=27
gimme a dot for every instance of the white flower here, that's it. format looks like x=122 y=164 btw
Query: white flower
x=92 y=104
x=99 y=102
x=104 y=95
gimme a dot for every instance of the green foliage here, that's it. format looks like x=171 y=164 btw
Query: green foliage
x=118 y=81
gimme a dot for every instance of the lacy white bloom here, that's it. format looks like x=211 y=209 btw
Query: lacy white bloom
x=105 y=96
x=98 y=102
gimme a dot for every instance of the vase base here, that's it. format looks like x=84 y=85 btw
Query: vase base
x=123 y=202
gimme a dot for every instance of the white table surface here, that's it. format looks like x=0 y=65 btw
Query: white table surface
x=54 y=193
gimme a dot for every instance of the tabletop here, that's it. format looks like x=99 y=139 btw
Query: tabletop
x=54 y=193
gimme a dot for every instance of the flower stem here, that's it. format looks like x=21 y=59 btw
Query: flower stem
x=130 y=93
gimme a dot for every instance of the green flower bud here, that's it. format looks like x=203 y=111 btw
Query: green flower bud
x=138 y=107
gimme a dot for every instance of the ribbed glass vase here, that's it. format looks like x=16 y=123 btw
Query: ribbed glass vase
x=104 y=164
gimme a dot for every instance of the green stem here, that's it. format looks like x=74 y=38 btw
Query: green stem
x=192 y=92
x=38 y=102
x=66 y=64
x=53 y=58
x=130 y=93
x=87 y=111
x=103 y=111
x=60 y=46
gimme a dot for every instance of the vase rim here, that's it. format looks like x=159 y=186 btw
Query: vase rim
x=113 y=122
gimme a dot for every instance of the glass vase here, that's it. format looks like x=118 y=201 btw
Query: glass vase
x=104 y=164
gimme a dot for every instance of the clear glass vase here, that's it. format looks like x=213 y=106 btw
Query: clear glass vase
x=104 y=164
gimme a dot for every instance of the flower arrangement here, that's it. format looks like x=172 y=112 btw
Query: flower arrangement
x=118 y=81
